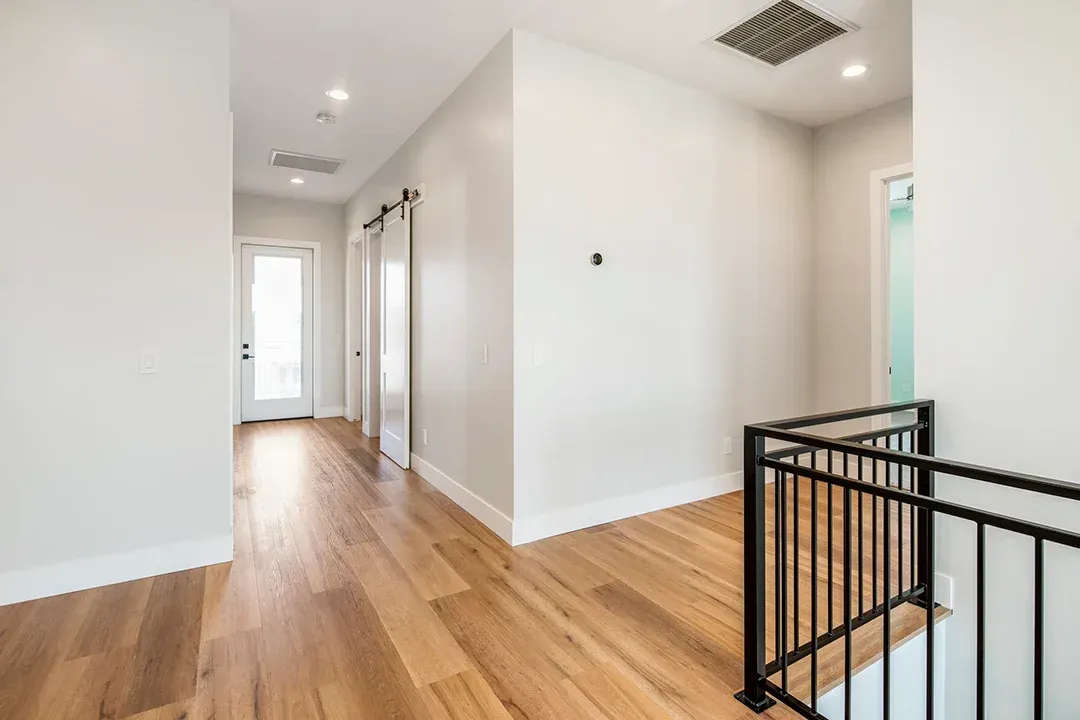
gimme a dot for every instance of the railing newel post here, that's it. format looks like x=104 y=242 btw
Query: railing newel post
x=753 y=694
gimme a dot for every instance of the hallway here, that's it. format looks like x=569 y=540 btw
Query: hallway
x=359 y=591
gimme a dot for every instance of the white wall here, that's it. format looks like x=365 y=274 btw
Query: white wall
x=115 y=220
x=629 y=376
x=324 y=223
x=462 y=283
x=907 y=683
x=845 y=154
x=997 y=237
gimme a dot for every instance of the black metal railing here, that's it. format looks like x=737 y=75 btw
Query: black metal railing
x=892 y=481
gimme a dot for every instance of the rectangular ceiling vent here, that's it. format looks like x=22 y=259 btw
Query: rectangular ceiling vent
x=299 y=161
x=782 y=31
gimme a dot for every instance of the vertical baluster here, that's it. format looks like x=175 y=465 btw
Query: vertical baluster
x=862 y=501
x=899 y=520
x=980 y=628
x=795 y=579
x=929 y=620
x=847 y=599
x=829 y=539
x=777 y=565
x=1040 y=577
x=874 y=532
x=911 y=515
x=886 y=665
x=783 y=579
x=813 y=583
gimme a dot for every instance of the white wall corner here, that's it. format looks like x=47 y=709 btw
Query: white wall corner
x=482 y=510
x=943 y=590
x=328 y=412
x=527 y=530
x=57 y=579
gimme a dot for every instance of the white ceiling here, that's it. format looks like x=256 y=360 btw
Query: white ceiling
x=399 y=61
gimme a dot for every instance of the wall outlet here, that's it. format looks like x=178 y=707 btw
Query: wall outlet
x=423 y=436
x=727 y=446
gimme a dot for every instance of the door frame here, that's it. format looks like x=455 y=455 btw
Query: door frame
x=355 y=308
x=316 y=318
x=880 y=321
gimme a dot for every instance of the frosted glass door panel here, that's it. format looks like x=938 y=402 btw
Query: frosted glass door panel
x=277 y=298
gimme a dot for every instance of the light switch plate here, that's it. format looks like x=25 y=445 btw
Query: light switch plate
x=149 y=363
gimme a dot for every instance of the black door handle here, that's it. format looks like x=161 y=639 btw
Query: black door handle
x=248 y=356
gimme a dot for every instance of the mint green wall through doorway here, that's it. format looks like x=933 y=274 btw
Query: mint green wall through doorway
x=901 y=292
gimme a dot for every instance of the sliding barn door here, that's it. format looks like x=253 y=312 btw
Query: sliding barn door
x=395 y=336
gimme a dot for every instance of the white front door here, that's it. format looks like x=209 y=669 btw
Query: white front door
x=276 y=333
x=395 y=288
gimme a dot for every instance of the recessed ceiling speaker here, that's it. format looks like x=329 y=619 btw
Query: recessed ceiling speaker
x=325 y=118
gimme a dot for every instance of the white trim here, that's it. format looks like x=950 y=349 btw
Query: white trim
x=316 y=323
x=65 y=577
x=603 y=511
x=328 y=412
x=469 y=501
x=369 y=337
x=879 y=281
x=354 y=334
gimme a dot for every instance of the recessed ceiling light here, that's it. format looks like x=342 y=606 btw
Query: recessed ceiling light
x=337 y=94
x=855 y=71
x=297 y=181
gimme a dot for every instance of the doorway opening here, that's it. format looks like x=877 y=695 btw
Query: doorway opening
x=901 y=316
x=892 y=285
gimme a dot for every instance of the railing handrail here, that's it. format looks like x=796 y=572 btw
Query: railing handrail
x=845 y=415
x=1020 y=481
x=964 y=512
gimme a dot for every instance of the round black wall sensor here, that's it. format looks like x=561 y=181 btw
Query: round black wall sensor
x=597 y=258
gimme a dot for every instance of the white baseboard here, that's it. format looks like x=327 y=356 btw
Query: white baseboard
x=65 y=577
x=470 y=502
x=528 y=530
x=328 y=412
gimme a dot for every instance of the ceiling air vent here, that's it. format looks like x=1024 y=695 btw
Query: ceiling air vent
x=299 y=161
x=782 y=31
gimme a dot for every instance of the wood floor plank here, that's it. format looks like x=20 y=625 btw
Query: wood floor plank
x=427 y=650
x=38 y=636
x=570 y=566
x=429 y=573
x=464 y=697
x=165 y=664
x=89 y=687
x=113 y=618
x=230 y=597
x=604 y=694
x=232 y=681
x=374 y=676
x=523 y=679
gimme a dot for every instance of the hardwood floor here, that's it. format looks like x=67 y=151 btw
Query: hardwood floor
x=359 y=592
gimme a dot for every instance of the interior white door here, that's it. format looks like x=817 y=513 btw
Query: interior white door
x=395 y=337
x=276 y=333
